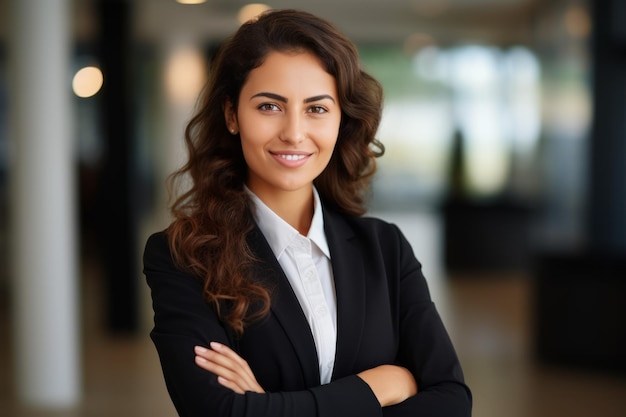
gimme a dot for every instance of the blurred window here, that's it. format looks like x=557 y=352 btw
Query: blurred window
x=487 y=97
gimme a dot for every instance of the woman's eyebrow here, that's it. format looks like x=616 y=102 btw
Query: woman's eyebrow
x=278 y=97
x=318 y=98
x=270 y=95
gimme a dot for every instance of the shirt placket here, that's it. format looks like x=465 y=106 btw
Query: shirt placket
x=320 y=318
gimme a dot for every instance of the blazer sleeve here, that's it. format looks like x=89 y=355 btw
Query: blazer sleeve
x=425 y=347
x=183 y=320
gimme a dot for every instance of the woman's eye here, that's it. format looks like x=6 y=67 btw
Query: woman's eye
x=317 y=109
x=268 y=107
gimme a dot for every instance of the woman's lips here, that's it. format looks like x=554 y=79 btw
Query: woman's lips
x=291 y=159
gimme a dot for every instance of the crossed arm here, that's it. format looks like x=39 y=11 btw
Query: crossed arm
x=390 y=384
x=183 y=321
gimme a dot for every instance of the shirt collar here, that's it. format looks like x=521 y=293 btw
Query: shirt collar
x=279 y=233
x=316 y=231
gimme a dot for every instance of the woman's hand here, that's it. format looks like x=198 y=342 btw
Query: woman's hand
x=391 y=384
x=231 y=369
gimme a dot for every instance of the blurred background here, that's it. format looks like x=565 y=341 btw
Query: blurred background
x=505 y=165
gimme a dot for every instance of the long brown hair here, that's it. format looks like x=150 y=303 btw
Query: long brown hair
x=213 y=217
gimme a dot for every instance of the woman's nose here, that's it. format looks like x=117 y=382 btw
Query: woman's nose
x=293 y=129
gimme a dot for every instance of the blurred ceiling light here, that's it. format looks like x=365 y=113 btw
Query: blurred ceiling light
x=577 y=22
x=431 y=8
x=251 y=11
x=184 y=74
x=416 y=41
x=87 y=82
x=190 y=1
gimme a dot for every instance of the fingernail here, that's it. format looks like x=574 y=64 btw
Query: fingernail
x=215 y=345
x=200 y=349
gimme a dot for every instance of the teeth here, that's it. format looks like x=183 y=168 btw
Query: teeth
x=292 y=157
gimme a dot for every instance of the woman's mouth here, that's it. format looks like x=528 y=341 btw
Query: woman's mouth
x=291 y=160
x=292 y=157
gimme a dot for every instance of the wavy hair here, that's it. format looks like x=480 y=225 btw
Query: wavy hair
x=213 y=216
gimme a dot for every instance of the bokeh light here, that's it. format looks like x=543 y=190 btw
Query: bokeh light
x=87 y=81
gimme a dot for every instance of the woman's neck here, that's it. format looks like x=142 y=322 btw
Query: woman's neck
x=294 y=207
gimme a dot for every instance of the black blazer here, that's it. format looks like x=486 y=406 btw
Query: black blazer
x=384 y=316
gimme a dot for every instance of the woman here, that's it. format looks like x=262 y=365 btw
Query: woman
x=272 y=296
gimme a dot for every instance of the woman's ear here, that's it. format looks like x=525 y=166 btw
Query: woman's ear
x=230 y=115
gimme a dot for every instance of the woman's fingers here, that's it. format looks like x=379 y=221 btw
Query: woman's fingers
x=229 y=384
x=224 y=369
x=232 y=370
x=231 y=355
x=231 y=365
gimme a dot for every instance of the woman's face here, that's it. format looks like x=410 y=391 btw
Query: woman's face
x=288 y=119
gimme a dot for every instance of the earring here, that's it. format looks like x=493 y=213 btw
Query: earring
x=232 y=130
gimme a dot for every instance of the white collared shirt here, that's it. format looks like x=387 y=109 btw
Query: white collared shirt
x=306 y=263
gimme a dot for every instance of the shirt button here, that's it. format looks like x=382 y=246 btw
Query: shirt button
x=320 y=311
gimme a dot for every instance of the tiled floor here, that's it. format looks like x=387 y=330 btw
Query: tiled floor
x=488 y=320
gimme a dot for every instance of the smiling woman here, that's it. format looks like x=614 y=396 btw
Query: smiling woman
x=272 y=295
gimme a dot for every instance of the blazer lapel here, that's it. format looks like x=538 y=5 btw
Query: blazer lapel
x=286 y=307
x=350 y=290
